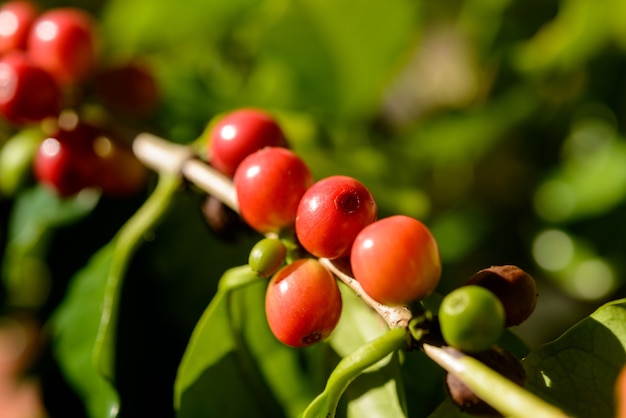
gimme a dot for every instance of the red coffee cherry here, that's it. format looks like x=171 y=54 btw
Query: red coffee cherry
x=396 y=260
x=239 y=134
x=269 y=185
x=303 y=303
x=27 y=93
x=331 y=214
x=515 y=288
x=128 y=88
x=16 y=19
x=63 y=41
x=66 y=161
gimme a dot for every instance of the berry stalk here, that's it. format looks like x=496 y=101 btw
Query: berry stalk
x=503 y=395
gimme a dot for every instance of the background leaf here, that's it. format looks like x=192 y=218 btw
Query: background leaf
x=578 y=370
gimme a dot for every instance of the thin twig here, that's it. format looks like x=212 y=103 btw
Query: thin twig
x=164 y=156
x=502 y=394
x=394 y=316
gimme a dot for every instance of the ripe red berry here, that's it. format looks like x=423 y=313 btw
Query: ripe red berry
x=66 y=160
x=63 y=41
x=16 y=19
x=269 y=185
x=396 y=260
x=128 y=88
x=331 y=214
x=27 y=93
x=239 y=134
x=303 y=303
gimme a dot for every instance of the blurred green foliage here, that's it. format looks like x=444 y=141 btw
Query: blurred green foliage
x=499 y=123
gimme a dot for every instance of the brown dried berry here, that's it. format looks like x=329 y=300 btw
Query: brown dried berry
x=501 y=361
x=515 y=288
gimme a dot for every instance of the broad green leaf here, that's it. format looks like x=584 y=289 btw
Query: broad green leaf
x=74 y=329
x=577 y=371
x=233 y=365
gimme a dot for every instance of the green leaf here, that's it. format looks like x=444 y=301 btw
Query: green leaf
x=233 y=365
x=577 y=371
x=74 y=329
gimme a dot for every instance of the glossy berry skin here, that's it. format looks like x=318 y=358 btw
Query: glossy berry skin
x=471 y=318
x=267 y=256
x=16 y=19
x=240 y=133
x=63 y=41
x=27 y=93
x=396 y=260
x=331 y=214
x=269 y=184
x=66 y=161
x=303 y=303
x=515 y=288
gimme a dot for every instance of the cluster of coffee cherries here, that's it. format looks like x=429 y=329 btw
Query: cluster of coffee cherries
x=395 y=259
x=51 y=70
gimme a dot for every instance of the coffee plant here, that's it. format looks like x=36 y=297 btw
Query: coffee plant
x=312 y=208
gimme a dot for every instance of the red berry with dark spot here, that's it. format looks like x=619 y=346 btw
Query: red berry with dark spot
x=331 y=214
x=239 y=134
x=16 y=19
x=63 y=41
x=303 y=303
x=27 y=93
x=269 y=185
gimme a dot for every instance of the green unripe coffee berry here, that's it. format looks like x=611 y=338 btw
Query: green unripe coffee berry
x=471 y=318
x=267 y=256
